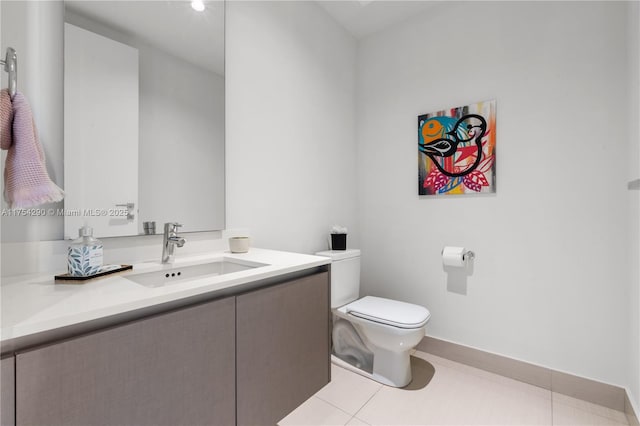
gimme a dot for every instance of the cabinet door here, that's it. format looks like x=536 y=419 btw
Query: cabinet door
x=7 y=392
x=173 y=369
x=282 y=348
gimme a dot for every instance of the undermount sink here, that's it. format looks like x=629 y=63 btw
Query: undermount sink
x=175 y=274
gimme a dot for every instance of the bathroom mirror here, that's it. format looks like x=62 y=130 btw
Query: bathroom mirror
x=143 y=116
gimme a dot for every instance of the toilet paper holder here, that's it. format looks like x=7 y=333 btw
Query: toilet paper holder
x=466 y=256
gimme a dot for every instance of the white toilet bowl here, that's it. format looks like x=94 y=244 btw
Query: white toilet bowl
x=391 y=329
x=385 y=328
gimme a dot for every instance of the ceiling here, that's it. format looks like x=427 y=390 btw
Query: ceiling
x=364 y=17
x=172 y=26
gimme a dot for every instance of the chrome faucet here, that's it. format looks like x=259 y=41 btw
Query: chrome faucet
x=170 y=241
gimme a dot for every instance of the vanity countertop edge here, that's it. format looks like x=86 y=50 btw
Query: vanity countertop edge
x=35 y=305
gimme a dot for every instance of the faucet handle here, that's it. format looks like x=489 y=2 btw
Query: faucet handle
x=171 y=227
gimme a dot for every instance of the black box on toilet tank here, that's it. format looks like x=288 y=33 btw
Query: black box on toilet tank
x=338 y=241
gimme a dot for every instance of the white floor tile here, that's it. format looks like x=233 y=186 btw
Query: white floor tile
x=456 y=397
x=315 y=412
x=357 y=422
x=516 y=385
x=347 y=390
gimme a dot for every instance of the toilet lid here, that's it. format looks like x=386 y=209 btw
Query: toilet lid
x=391 y=312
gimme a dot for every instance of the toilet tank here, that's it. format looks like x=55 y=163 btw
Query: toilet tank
x=345 y=275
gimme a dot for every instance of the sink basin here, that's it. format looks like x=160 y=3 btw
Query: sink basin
x=175 y=274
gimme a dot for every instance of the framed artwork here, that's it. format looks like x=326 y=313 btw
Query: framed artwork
x=457 y=150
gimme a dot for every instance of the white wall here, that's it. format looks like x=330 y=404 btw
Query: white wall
x=551 y=277
x=35 y=30
x=290 y=124
x=634 y=200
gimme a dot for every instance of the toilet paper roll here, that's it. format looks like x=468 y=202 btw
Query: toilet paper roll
x=453 y=256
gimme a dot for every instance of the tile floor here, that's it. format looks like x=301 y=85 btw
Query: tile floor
x=455 y=394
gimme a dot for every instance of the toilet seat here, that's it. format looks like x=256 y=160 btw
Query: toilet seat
x=389 y=312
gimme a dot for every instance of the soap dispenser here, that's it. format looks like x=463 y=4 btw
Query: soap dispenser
x=85 y=254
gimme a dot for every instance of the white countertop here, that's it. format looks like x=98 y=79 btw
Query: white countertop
x=35 y=304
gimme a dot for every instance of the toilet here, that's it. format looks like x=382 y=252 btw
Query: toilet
x=372 y=335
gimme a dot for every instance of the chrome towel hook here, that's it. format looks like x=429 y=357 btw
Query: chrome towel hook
x=11 y=66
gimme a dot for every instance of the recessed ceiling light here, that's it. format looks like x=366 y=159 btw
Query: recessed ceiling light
x=197 y=5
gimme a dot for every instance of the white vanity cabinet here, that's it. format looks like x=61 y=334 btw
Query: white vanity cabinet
x=173 y=369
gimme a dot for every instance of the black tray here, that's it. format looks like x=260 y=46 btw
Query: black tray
x=80 y=280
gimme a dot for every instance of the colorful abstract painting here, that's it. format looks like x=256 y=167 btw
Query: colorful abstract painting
x=457 y=150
